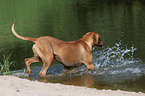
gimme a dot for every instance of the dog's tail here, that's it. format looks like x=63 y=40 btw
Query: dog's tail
x=21 y=37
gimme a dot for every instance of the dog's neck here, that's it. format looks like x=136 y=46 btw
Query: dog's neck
x=90 y=43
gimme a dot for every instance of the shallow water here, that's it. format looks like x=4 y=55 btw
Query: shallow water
x=120 y=64
x=116 y=68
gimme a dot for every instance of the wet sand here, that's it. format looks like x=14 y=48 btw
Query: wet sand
x=14 y=86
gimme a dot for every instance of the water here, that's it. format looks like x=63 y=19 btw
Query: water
x=119 y=65
x=116 y=68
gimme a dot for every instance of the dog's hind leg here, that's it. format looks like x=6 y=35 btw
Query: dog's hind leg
x=28 y=61
x=45 y=52
x=46 y=64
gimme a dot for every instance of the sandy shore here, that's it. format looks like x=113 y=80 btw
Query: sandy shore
x=14 y=86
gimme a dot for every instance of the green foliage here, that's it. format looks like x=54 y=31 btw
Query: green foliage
x=5 y=64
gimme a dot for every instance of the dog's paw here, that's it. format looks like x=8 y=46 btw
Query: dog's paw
x=91 y=66
x=42 y=75
x=29 y=71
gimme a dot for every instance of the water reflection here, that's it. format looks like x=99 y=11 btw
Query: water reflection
x=87 y=81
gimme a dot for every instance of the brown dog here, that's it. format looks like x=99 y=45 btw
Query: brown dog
x=69 y=53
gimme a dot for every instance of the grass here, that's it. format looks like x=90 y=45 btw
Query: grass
x=5 y=64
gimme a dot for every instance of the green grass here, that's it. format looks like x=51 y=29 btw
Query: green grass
x=5 y=64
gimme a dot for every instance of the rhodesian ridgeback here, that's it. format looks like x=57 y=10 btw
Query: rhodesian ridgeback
x=73 y=53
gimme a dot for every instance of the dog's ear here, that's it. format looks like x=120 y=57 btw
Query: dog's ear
x=98 y=41
x=96 y=38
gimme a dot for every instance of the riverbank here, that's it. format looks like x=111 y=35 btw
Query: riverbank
x=14 y=86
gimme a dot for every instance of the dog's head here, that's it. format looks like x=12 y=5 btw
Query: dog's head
x=93 y=38
x=97 y=40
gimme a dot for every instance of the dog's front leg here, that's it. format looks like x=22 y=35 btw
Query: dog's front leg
x=90 y=66
x=88 y=61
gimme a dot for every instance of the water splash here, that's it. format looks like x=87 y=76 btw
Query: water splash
x=114 y=56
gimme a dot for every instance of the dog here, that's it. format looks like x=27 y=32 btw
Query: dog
x=73 y=53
